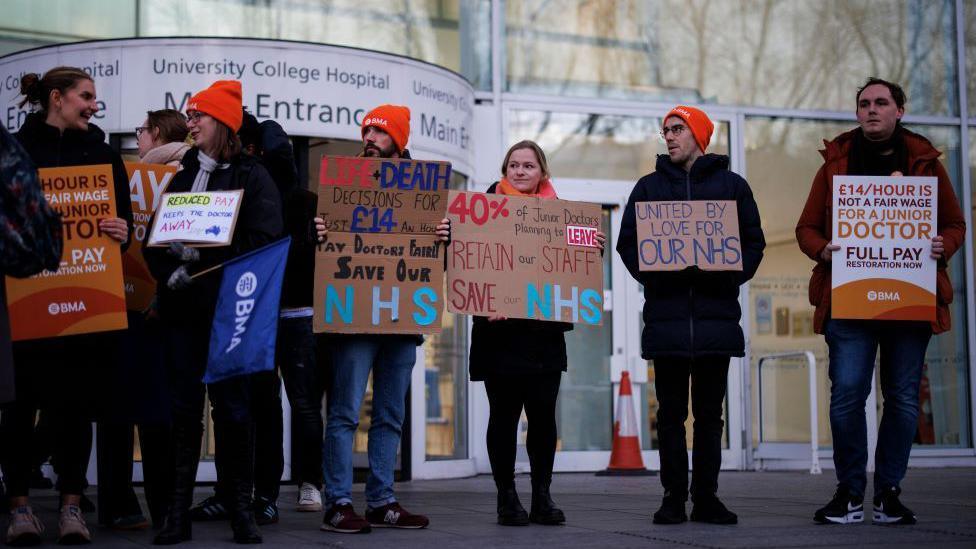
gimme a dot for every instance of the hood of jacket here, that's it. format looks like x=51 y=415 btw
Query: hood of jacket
x=919 y=148
x=37 y=131
x=703 y=167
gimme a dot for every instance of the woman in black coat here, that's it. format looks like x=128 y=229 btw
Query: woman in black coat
x=61 y=374
x=186 y=307
x=521 y=362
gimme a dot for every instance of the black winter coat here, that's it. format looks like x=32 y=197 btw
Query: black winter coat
x=516 y=346
x=693 y=313
x=258 y=223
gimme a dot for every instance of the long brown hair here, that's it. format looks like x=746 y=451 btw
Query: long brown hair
x=226 y=143
x=170 y=123
x=527 y=144
x=37 y=89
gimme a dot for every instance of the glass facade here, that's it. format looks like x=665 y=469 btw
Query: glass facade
x=589 y=81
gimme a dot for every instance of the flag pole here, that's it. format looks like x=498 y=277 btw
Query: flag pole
x=207 y=270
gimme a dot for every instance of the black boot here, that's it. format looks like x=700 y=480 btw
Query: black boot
x=186 y=456
x=672 y=509
x=544 y=510
x=240 y=439
x=510 y=510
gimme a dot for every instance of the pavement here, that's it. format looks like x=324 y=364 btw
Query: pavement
x=775 y=510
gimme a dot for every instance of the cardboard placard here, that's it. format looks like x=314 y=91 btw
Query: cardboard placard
x=672 y=236
x=521 y=257
x=200 y=219
x=884 y=227
x=146 y=185
x=86 y=294
x=375 y=283
x=381 y=268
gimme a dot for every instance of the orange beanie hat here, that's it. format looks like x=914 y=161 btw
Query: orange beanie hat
x=222 y=100
x=393 y=119
x=699 y=124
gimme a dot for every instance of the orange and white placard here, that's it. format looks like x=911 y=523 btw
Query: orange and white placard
x=884 y=227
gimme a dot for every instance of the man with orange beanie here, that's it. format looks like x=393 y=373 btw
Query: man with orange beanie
x=692 y=316
x=391 y=358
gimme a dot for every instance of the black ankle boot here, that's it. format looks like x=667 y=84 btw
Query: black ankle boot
x=510 y=510
x=544 y=510
x=245 y=528
x=240 y=442
x=186 y=455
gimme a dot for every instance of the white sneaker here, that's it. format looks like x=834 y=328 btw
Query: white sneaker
x=309 y=498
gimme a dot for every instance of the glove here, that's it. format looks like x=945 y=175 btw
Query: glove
x=179 y=279
x=185 y=254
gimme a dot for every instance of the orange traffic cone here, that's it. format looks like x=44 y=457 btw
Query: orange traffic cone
x=625 y=457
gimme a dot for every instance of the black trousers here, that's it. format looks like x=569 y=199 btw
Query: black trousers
x=709 y=377
x=507 y=395
x=116 y=497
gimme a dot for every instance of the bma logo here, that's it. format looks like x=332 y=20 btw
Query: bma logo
x=883 y=296
x=246 y=285
x=67 y=307
x=375 y=121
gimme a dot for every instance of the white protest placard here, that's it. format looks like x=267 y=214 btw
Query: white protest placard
x=201 y=219
x=884 y=227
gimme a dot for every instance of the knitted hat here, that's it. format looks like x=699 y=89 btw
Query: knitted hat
x=696 y=119
x=222 y=100
x=393 y=119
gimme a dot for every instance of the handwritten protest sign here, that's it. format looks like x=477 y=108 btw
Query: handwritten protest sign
x=521 y=257
x=884 y=227
x=201 y=219
x=381 y=268
x=86 y=294
x=146 y=185
x=676 y=235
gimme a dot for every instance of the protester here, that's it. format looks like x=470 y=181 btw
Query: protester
x=692 y=316
x=186 y=308
x=521 y=362
x=879 y=146
x=391 y=358
x=162 y=137
x=62 y=374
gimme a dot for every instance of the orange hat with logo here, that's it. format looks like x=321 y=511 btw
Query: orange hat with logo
x=696 y=119
x=222 y=100
x=393 y=119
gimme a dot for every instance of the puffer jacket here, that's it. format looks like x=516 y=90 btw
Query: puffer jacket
x=693 y=313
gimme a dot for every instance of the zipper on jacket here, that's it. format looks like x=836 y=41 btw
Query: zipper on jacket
x=691 y=287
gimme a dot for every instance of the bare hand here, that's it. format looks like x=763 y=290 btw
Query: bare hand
x=601 y=240
x=444 y=230
x=938 y=248
x=116 y=228
x=495 y=318
x=320 y=229
x=828 y=251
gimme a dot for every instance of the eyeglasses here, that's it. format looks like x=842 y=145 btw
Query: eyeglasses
x=674 y=130
x=195 y=116
x=141 y=129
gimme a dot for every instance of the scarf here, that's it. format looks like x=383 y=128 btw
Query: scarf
x=867 y=157
x=545 y=189
x=170 y=153
x=207 y=166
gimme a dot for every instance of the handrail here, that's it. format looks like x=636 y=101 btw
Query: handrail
x=812 y=370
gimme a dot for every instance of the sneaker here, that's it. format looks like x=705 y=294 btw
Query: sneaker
x=394 y=516
x=209 y=509
x=265 y=511
x=711 y=510
x=130 y=522
x=72 y=529
x=672 y=511
x=24 y=528
x=889 y=510
x=844 y=508
x=309 y=498
x=343 y=519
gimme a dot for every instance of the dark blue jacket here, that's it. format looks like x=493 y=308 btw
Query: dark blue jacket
x=692 y=313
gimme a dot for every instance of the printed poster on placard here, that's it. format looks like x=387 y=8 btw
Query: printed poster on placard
x=381 y=266
x=884 y=227
x=672 y=236
x=524 y=257
x=86 y=294
x=200 y=219
x=146 y=185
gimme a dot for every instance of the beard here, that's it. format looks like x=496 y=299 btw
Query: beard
x=371 y=150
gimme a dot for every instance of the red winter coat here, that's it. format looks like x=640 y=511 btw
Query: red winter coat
x=813 y=230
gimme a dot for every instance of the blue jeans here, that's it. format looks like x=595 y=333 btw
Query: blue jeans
x=391 y=358
x=853 y=345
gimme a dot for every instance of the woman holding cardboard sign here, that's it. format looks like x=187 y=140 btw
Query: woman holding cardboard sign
x=521 y=362
x=62 y=374
x=187 y=302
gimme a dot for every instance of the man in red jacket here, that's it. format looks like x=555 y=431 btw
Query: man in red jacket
x=880 y=146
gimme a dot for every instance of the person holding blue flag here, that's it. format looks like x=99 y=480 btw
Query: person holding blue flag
x=187 y=299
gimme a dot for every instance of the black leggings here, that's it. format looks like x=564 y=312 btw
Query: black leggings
x=507 y=395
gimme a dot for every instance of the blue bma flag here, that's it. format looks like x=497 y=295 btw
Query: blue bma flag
x=246 y=318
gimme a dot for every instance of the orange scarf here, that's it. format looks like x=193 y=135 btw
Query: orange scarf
x=545 y=189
